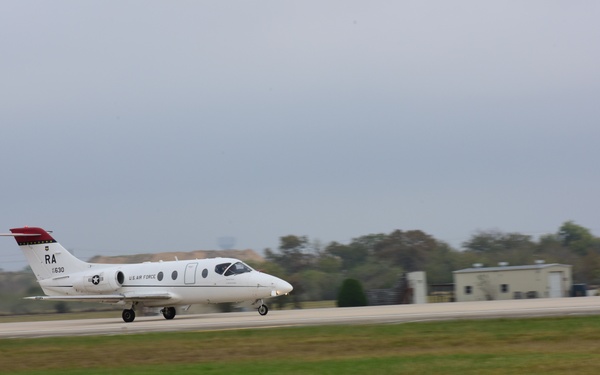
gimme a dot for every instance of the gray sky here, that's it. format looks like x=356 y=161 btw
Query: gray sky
x=146 y=126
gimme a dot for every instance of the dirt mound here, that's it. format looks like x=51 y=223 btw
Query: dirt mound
x=245 y=255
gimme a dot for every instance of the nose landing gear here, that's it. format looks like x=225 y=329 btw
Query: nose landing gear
x=263 y=309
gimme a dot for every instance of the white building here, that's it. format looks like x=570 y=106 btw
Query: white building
x=514 y=282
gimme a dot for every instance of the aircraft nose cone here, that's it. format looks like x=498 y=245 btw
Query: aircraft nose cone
x=285 y=287
x=282 y=287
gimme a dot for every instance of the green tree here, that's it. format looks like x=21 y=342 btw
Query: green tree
x=328 y=263
x=319 y=285
x=376 y=273
x=351 y=294
x=369 y=241
x=575 y=245
x=351 y=255
x=494 y=241
x=408 y=250
x=294 y=254
x=495 y=246
x=440 y=264
x=577 y=238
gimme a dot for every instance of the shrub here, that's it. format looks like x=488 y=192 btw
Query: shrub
x=351 y=294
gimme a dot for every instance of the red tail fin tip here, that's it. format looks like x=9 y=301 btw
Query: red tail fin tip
x=31 y=235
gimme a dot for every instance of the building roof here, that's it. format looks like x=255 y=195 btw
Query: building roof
x=510 y=268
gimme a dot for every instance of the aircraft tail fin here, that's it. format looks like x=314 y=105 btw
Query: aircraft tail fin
x=46 y=257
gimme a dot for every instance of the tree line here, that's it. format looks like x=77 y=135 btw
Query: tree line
x=379 y=260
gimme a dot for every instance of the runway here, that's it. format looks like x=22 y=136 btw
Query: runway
x=309 y=317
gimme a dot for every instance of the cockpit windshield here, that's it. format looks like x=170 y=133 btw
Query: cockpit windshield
x=237 y=268
x=220 y=268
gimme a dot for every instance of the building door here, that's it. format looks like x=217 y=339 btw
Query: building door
x=190 y=273
x=555 y=284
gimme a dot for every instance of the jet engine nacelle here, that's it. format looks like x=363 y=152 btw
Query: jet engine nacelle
x=105 y=281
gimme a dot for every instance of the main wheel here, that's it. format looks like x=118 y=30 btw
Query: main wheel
x=263 y=310
x=128 y=315
x=169 y=312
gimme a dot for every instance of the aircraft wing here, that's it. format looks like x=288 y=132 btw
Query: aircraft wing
x=111 y=298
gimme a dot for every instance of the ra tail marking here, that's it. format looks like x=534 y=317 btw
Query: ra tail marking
x=46 y=257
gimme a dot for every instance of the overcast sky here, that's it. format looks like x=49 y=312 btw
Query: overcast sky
x=145 y=126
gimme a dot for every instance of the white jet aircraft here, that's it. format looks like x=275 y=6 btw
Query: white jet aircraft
x=63 y=277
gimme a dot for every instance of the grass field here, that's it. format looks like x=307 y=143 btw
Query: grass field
x=502 y=346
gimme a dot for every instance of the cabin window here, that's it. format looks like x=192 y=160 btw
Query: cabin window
x=204 y=273
x=237 y=268
x=174 y=275
x=159 y=276
x=468 y=289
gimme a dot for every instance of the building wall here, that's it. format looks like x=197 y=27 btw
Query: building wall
x=502 y=283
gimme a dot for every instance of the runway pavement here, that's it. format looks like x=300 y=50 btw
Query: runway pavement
x=288 y=318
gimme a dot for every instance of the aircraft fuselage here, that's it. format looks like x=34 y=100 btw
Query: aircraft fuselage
x=188 y=282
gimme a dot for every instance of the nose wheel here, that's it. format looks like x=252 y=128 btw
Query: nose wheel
x=263 y=310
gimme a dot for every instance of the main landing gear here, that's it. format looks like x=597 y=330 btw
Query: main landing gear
x=129 y=314
x=168 y=312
